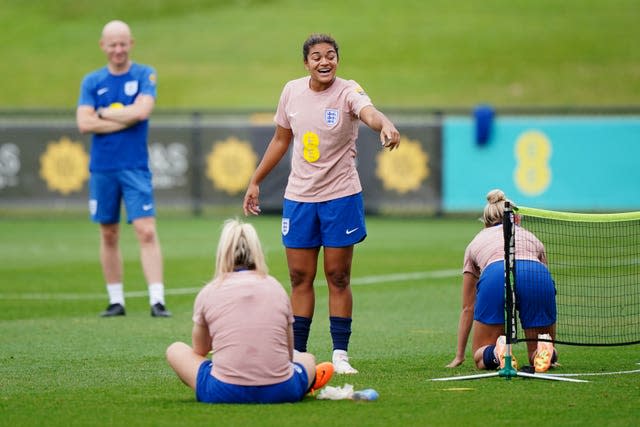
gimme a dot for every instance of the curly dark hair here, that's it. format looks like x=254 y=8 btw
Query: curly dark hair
x=315 y=39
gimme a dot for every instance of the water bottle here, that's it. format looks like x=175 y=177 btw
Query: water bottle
x=366 y=394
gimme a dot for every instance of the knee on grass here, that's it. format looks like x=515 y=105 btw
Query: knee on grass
x=485 y=358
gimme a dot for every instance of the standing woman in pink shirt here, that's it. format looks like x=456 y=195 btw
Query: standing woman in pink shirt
x=318 y=116
x=243 y=316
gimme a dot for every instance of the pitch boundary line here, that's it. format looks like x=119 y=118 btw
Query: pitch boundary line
x=359 y=281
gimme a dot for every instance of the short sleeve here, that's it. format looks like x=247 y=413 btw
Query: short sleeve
x=281 y=117
x=357 y=98
x=198 y=310
x=86 y=93
x=469 y=265
x=149 y=82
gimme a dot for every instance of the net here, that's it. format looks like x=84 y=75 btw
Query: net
x=594 y=260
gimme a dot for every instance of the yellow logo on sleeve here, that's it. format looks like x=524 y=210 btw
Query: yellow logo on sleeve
x=360 y=91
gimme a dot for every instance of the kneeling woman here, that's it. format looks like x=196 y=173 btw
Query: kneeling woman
x=244 y=317
x=483 y=294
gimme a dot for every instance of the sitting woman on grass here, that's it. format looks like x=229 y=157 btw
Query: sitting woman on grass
x=244 y=318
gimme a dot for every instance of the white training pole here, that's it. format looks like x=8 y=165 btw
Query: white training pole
x=550 y=377
x=467 y=377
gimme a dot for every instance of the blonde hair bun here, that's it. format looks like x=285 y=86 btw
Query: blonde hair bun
x=495 y=196
x=494 y=209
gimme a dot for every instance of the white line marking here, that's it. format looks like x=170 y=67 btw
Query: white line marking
x=367 y=280
x=543 y=376
x=587 y=374
x=403 y=277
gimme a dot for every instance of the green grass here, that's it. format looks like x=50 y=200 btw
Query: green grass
x=408 y=53
x=60 y=364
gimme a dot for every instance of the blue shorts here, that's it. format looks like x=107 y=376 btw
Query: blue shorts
x=535 y=295
x=209 y=389
x=336 y=223
x=107 y=189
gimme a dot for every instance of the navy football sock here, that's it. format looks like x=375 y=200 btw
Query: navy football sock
x=301 y=327
x=489 y=358
x=340 y=328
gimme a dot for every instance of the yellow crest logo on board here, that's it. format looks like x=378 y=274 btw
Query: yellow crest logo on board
x=64 y=166
x=405 y=169
x=230 y=165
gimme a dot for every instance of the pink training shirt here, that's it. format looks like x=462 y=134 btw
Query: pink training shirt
x=325 y=127
x=488 y=246
x=248 y=317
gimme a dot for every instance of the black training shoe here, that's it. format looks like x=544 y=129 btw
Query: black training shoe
x=158 y=310
x=113 y=310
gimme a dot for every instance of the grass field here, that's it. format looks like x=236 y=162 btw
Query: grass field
x=62 y=365
x=406 y=53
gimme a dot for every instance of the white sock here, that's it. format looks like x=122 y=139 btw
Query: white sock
x=338 y=355
x=116 y=293
x=156 y=293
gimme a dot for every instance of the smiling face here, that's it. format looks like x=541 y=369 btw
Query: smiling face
x=116 y=42
x=322 y=63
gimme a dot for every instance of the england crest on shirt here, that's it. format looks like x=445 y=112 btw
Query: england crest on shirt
x=285 y=226
x=331 y=116
x=131 y=88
